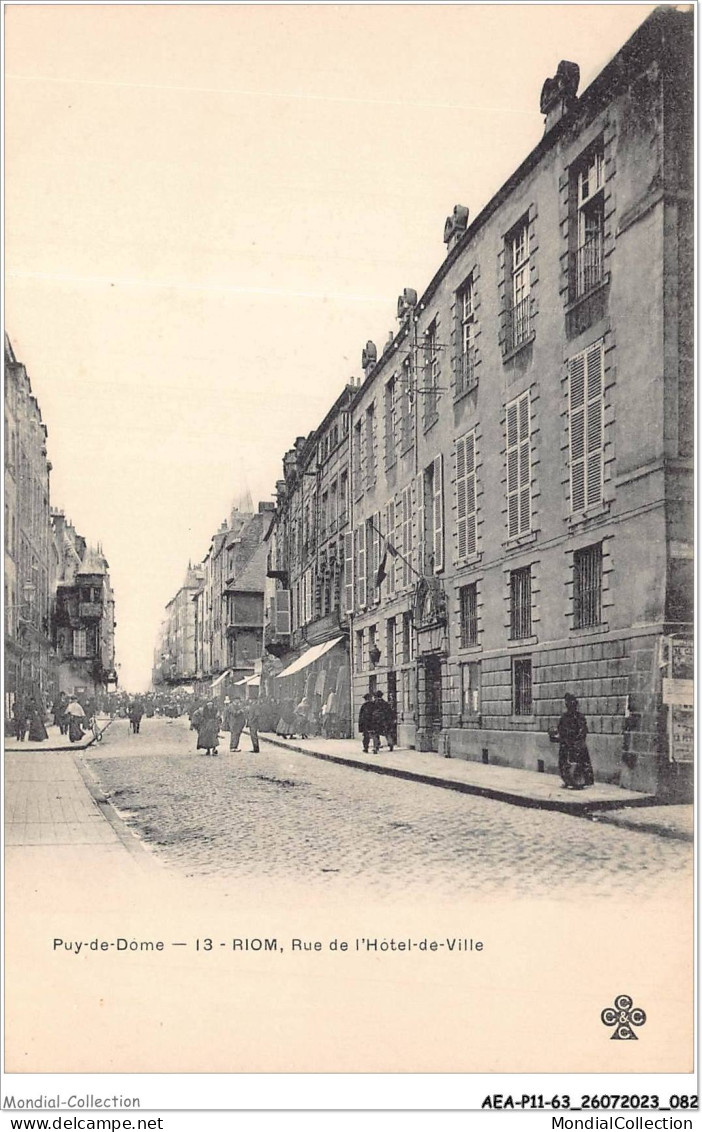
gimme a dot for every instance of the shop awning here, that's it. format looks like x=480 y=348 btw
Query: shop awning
x=254 y=681
x=219 y=679
x=308 y=657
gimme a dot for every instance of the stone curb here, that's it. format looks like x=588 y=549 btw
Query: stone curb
x=565 y=806
x=659 y=830
x=81 y=746
x=128 y=839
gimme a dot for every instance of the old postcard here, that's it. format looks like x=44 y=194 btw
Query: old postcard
x=349 y=437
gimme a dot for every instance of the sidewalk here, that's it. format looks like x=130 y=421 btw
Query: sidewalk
x=506 y=784
x=57 y=741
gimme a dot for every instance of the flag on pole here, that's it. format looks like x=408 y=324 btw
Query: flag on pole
x=382 y=572
x=381 y=575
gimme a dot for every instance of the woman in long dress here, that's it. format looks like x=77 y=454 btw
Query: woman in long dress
x=208 y=729
x=76 y=715
x=37 y=730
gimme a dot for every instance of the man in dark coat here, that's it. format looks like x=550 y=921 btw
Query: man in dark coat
x=365 y=719
x=383 y=720
x=253 y=717
x=573 y=757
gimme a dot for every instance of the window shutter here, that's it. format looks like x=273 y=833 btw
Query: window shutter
x=461 y=512
x=438 y=514
x=518 y=467
x=390 y=560
x=406 y=535
x=375 y=566
x=512 y=470
x=348 y=572
x=595 y=422
x=420 y=524
x=399 y=543
x=282 y=612
x=471 y=504
x=576 y=393
x=361 y=564
x=524 y=465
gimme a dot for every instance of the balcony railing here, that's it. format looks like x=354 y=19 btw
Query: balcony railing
x=588 y=265
x=518 y=324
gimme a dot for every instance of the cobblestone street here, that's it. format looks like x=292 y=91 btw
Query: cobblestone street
x=285 y=816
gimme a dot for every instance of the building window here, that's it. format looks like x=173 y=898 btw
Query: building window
x=518 y=327
x=465 y=376
x=80 y=643
x=360 y=650
x=587 y=193
x=407 y=638
x=587 y=586
x=372 y=557
x=390 y=643
x=468 y=596
x=390 y=422
x=431 y=518
x=521 y=686
x=406 y=517
x=370 y=446
x=405 y=407
x=432 y=373
x=519 y=466
x=586 y=420
x=360 y=572
x=466 y=497
x=520 y=603
x=357 y=459
x=343 y=499
x=470 y=689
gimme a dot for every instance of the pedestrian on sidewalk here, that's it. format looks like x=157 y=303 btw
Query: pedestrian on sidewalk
x=20 y=719
x=58 y=710
x=208 y=729
x=37 y=730
x=253 y=718
x=365 y=719
x=573 y=756
x=233 y=721
x=383 y=722
x=76 y=715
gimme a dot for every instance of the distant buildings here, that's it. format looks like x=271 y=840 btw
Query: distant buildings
x=35 y=565
x=212 y=635
x=502 y=511
x=84 y=615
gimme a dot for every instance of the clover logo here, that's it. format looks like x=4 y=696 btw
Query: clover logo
x=623 y=1016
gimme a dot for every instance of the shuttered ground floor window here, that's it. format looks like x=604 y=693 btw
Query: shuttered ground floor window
x=522 y=703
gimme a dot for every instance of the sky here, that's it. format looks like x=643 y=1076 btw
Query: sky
x=211 y=208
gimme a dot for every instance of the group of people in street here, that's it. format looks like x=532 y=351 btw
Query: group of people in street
x=377 y=718
x=207 y=721
x=71 y=716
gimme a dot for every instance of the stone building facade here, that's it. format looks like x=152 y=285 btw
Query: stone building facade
x=228 y=621
x=84 y=615
x=306 y=626
x=521 y=452
x=175 y=656
x=29 y=560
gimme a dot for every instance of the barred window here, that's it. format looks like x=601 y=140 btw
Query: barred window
x=587 y=586
x=521 y=686
x=469 y=615
x=520 y=603
x=587 y=188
